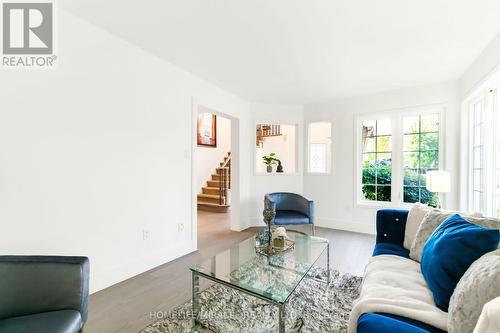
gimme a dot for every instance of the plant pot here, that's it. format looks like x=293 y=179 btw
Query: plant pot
x=269 y=168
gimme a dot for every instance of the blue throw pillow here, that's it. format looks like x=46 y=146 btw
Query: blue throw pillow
x=449 y=252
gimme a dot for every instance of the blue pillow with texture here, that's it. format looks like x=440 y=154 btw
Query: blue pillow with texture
x=449 y=252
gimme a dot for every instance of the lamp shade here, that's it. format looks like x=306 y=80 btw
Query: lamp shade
x=438 y=181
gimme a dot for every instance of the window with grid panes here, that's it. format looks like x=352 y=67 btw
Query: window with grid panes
x=478 y=156
x=377 y=160
x=420 y=155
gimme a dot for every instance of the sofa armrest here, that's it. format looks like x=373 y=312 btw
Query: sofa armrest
x=391 y=224
x=36 y=284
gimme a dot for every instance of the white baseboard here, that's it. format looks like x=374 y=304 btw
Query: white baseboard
x=347 y=225
x=337 y=224
x=116 y=274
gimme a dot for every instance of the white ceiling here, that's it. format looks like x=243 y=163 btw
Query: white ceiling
x=304 y=51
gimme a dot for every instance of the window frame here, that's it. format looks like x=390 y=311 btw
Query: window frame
x=470 y=160
x=308 y=150
x=396 y=116
x=488 y=93
x=496 y=148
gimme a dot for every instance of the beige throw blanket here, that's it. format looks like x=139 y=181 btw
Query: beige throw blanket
x=395 y=285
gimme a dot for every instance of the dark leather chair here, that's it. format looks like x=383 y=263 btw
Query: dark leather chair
x=291 y=209
x=43 y=294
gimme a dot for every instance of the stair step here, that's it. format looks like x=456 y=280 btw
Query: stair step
x=210 y=198
x=210 y=190
x=217 y=177
x=213 y=207
x=214 y=183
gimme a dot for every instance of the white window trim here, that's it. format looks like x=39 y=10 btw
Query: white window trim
x=470 y=145
x=396 y=116
x=308 y=151
x=487 y=96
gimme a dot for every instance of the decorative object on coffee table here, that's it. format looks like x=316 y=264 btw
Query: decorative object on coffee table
x=269 y=213
x=270 y=249
x=279 y=238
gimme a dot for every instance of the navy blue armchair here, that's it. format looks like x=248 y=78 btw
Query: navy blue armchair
x=43 y=294
x=291 y=209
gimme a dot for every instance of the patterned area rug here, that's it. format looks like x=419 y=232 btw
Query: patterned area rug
x=313 y=307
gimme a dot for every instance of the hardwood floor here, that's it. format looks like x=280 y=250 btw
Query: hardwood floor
x=126 y=307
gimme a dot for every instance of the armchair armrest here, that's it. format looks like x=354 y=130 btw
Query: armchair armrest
x=269 y=201
x=36 y=284
x=391 y=225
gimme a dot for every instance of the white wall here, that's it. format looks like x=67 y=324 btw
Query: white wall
x=208 y=157
x=479 y=71
x=283 y=182
x=334 y=194
x=99 y=149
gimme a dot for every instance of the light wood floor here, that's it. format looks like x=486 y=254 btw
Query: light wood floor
x=126 y=307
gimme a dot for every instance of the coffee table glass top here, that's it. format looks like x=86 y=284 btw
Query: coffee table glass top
x=273 y=278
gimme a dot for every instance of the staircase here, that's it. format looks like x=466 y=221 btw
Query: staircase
x=215 y=196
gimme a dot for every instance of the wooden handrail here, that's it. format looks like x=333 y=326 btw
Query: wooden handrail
x=224 y=172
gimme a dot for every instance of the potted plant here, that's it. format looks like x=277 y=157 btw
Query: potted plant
x=270 y=160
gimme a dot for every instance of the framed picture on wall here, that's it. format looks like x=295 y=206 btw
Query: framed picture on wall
x=207 y=130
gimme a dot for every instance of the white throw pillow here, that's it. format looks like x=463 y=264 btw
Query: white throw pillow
x=479 y=285
x=415 y=218
x=432 y=220
x=489 y=320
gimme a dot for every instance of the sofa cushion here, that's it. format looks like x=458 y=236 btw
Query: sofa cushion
x=415 y=217
x=64 y=321
x=391 y=226
x=449 y=252
x=479 y=285
x=284 y=217
x=434 y=218
x=391 y=248
x=387 y=323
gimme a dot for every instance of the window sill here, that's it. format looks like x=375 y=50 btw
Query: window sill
x=383 y=205
x=318 y=174
x=280 y=174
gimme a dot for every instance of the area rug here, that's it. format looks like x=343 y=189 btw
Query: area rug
x=313 y=307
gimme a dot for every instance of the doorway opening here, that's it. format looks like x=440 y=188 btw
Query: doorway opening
x=215 y=169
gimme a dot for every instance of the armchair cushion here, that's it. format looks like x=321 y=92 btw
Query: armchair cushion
x=65 y=321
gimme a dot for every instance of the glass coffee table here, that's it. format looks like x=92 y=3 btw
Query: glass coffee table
x=269 y=278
